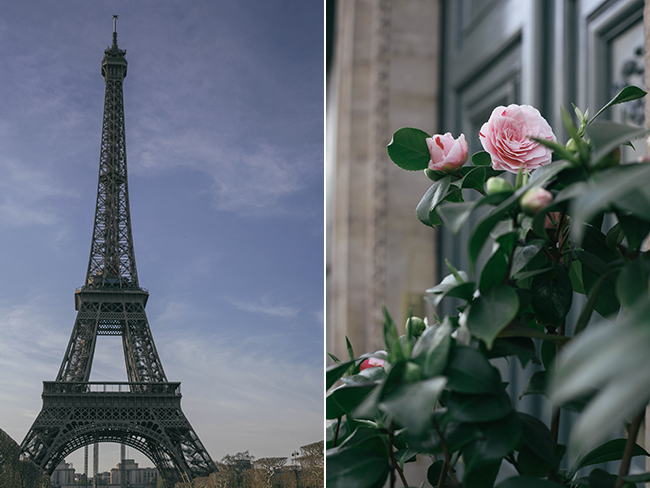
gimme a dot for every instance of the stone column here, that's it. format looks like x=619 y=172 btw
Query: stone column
x=385 y=76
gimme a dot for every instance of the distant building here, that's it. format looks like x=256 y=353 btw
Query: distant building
x=104 y=478
x=135 y=477
x=63 y=476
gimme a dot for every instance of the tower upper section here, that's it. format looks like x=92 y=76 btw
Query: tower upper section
x=112 y=259
x=114 y=65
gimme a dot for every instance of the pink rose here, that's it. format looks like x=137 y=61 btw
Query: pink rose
x=447 y=153
x=373 y=362
x=535 y=199
x=507 y=137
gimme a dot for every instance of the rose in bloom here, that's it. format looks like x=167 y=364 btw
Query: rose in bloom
x=506 y=136
x=372 y=362
x=447 y=153
x=535 y=199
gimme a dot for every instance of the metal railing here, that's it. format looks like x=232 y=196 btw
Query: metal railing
x=58 y=387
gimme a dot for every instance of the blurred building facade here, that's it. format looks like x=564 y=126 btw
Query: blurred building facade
x=383 y=75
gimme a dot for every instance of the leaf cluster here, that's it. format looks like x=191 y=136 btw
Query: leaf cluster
x=438 y=393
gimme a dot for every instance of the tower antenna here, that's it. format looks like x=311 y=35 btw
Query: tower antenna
x=115 y=31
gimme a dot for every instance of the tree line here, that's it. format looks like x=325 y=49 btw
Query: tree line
x=242 y=470
x=239 y=470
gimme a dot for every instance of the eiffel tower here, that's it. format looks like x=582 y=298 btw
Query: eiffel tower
x=145 y=412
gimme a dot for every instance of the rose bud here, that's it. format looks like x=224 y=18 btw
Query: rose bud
x=373 y=362
x=535 y=199
x=415 y=326
x=447 y=154
x=495 y=184
x=508 y=137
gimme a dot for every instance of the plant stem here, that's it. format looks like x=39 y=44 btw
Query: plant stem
x=555 y=423
x=393 y=460
x=336 y=432
x=446 y=467
x=632 y=434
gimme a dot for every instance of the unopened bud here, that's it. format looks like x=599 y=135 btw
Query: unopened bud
x=415 y=326
x=497 y=185
x=571 y=145
x=535 y=199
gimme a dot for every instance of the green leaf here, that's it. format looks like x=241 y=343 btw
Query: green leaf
x=530 y=464
x=468 y=371
x=500 y=437
x=342 y=400
x=558 y=149
x=434 y=471
x=552 y=298
x=589 y=306
x=482 y=477
x=526 y=482
x=484 y=226
x=538 y=437
x=637 y=478
x=632 y=282
x=475 y=178
x=536 y=384
x=634 y=228
x=478 y=408
x=609 y=451
x=607 y=136
x=411 y=405
x=627 y=94
x=522 y=347
x=368 y=375
x=595 y=269
x=334 y=372
x=431 y=350
x=405 y=456
x=433 y=196
x=610 y=189
x=409 y=149
x=349 y=348
x=454 y=215
x=523 y=255
x=456 y=435
x=491 y=312
x=599 y=478
x=548 y=351
x=495 y=270
x=450 y=286
x=356 y=468
x=391 y=338
x=482 y=158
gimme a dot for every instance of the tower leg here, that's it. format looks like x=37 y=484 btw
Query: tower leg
x=86 y=466
x=95 y=464
x=122 y=467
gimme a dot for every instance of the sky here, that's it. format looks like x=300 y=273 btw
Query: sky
x=224 y=129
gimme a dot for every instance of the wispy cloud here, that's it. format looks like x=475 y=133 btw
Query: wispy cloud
x=264 y=306
x=23 y=192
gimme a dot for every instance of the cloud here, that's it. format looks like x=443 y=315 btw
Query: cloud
x=24 y=190
x=263 y=306
x=241 y=396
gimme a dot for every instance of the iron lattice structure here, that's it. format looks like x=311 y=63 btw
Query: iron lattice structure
x=144 y=413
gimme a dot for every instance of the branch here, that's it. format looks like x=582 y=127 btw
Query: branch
x=633 y=432
x=392 y=457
